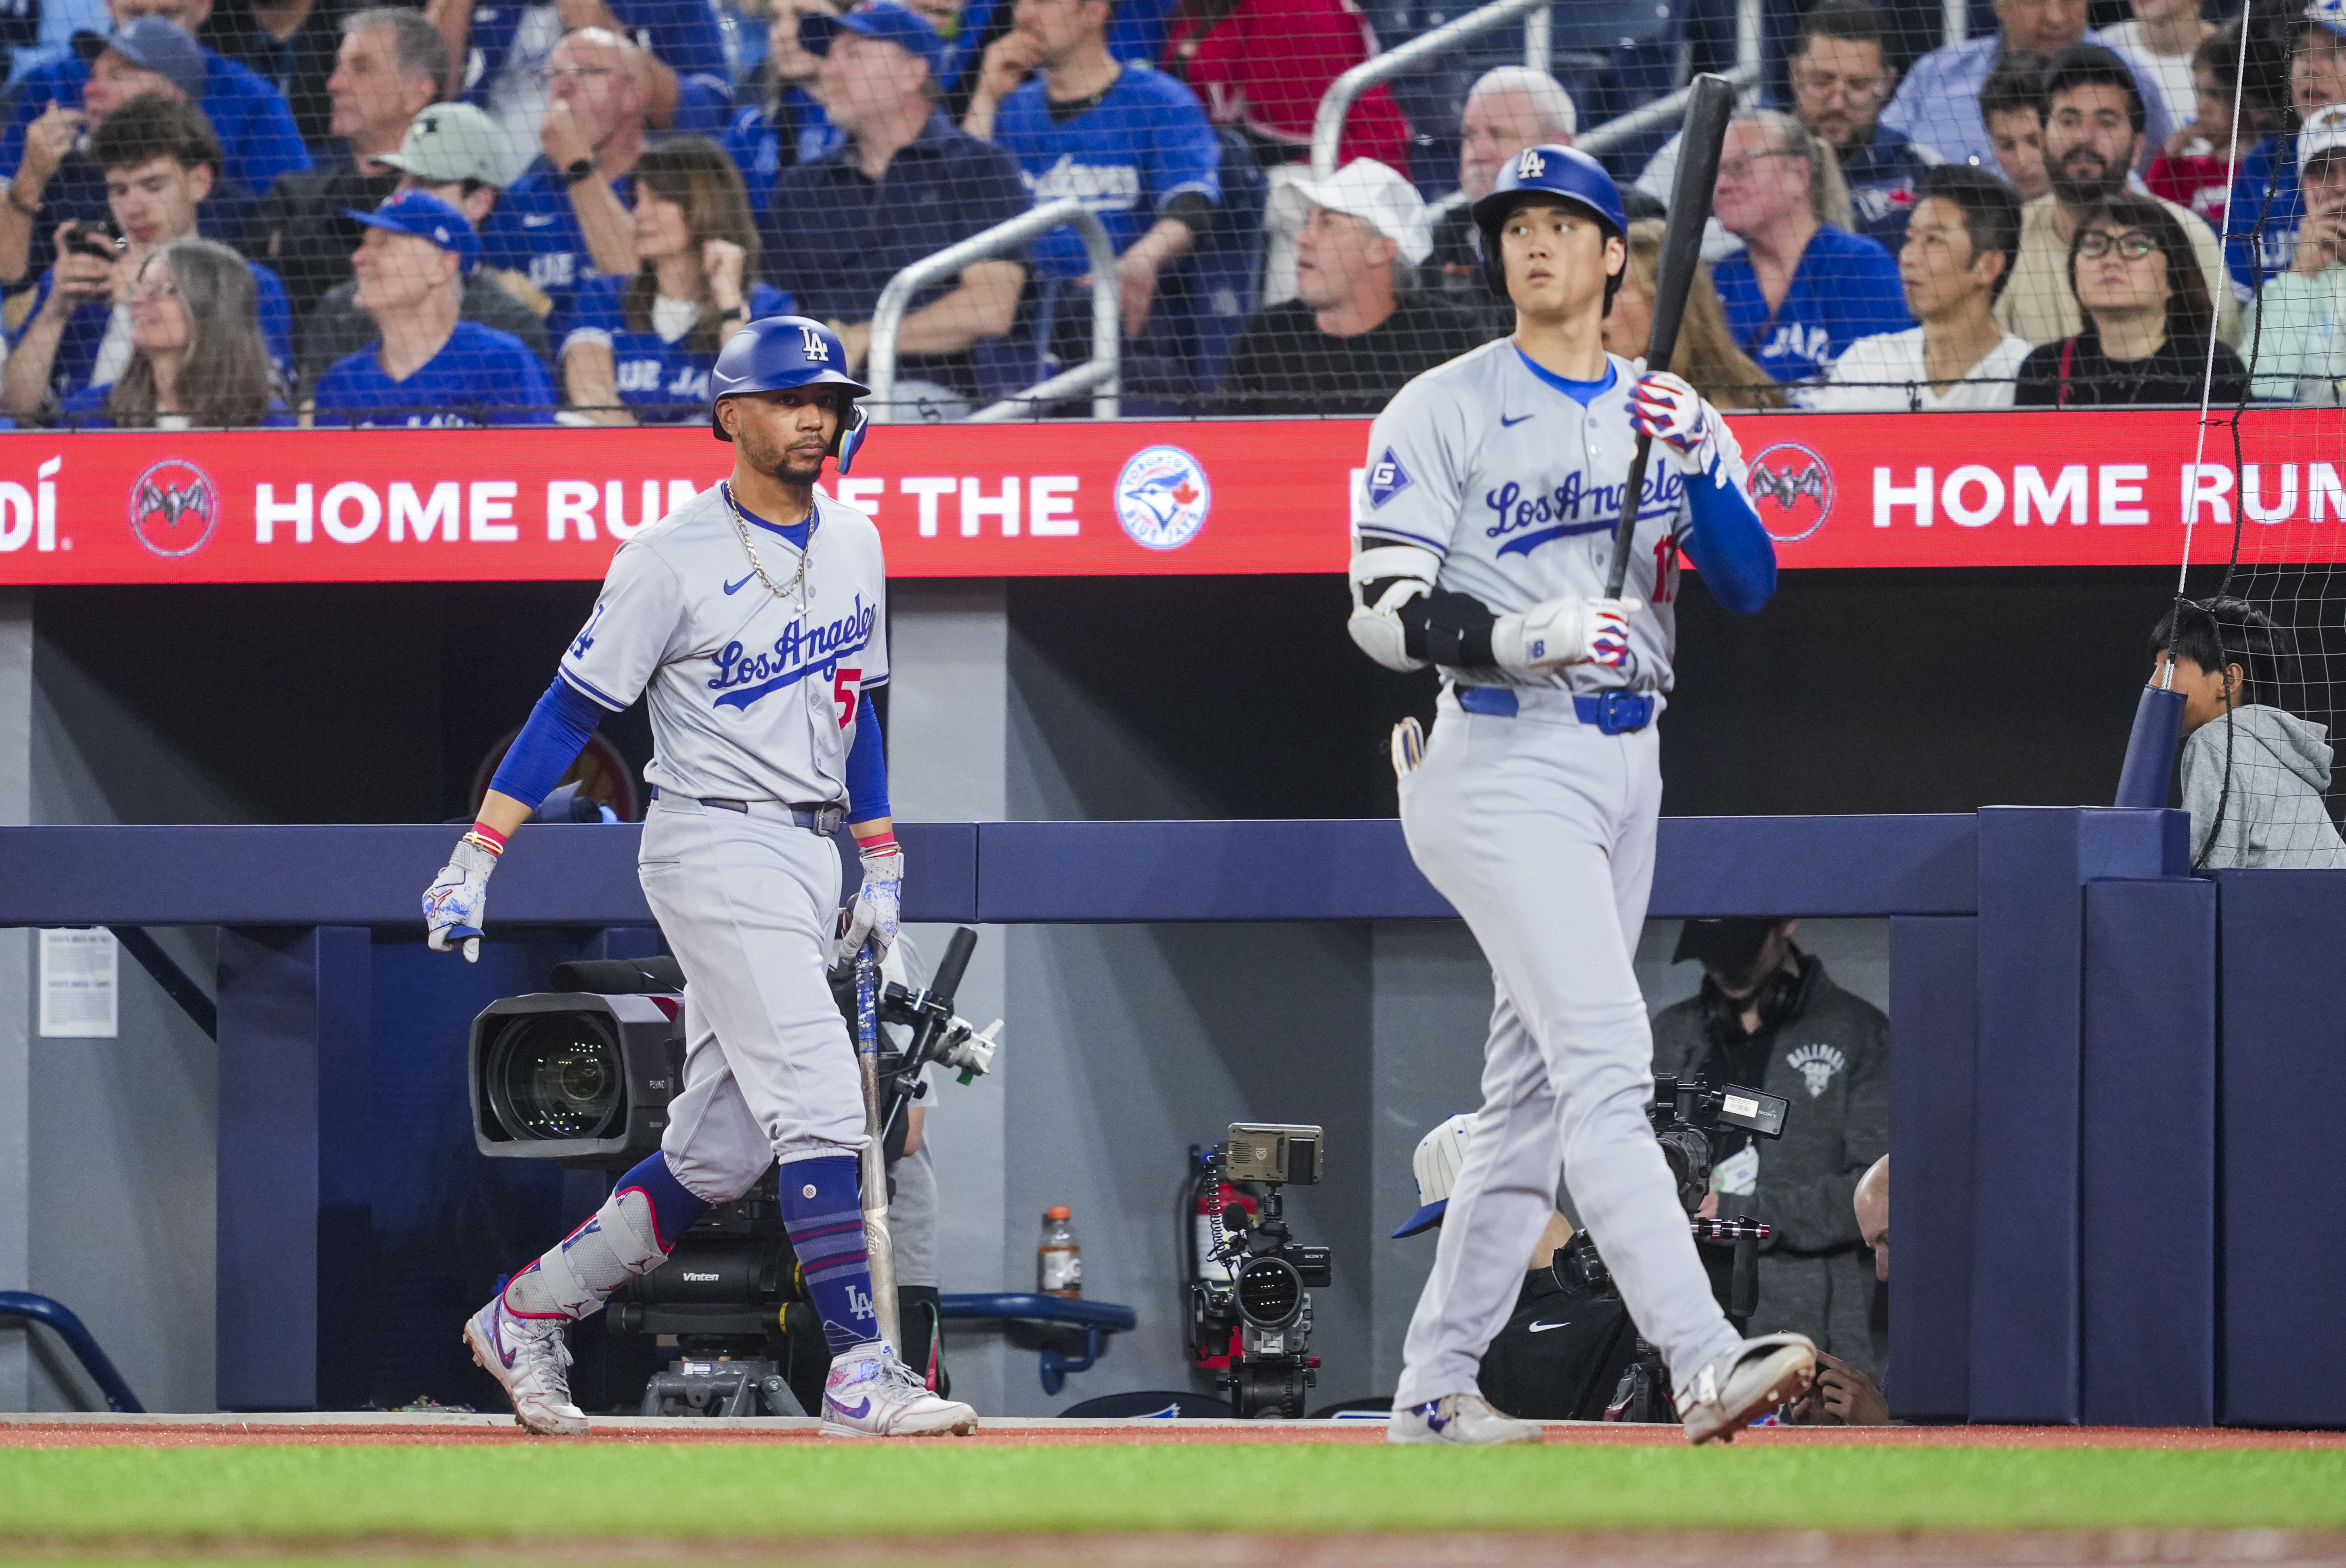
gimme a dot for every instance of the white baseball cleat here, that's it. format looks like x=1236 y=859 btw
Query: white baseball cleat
x=1757 y=1375
x=1462 y=1419
x=531 y=1358
x=871 y=1393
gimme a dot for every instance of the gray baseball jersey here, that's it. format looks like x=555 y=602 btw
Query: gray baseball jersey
x=752 y=696
x=1487 y=461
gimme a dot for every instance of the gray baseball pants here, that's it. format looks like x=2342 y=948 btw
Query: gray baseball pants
x=1540 y=831
x=746 y=901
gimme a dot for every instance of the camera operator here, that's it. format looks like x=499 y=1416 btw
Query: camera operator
x=1842 y=1395
x=1561 y=1354
x=1768 y=1017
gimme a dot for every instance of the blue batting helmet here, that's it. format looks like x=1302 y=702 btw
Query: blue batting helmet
x=780 y=352
x=1563 y=172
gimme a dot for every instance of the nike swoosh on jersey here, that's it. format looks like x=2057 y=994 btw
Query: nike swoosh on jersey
x=1544 y=1328
x=1506 y=423
x=736 y=587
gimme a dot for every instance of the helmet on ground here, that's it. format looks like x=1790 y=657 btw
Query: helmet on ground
x=1564 y=172
x=780 y=352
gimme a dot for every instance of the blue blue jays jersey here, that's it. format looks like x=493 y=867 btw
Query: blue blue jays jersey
x=752 y=689
x=1845 y=287
x=1517 y=486
x=480 y=376
x=654 y=373
x=1142 y=145
x=761 y=148
x=535 y=231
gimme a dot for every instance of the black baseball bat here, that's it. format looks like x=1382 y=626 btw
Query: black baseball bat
x=1710 y=100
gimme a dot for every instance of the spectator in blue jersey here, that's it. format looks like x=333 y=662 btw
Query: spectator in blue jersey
x=198 y=361
x=639 y=349
x=567 y=219
x=2260 y=239
x=906 y=184
x=430 y=367
x=1128 y=140
x=1840 y=78
x=501 y=50
x=780 y=121
x=160 y=160
x=1938 y=104
x=258 y=137
x=1803 y=288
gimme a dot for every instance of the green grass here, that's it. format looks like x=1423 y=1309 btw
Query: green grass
x=321 y=1494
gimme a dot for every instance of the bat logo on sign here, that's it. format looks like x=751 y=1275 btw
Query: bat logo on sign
x=174 y=508
x=1791 y=488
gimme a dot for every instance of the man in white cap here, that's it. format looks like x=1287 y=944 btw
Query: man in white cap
x=1358 y=330
x=1562 y=1354
x=2299 y=321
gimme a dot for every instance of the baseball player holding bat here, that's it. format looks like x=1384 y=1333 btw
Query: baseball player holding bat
x=1484 y=524
x=755 y=618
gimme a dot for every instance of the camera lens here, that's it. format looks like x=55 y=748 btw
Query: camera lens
x=1269 y=1292
x=556 y=1076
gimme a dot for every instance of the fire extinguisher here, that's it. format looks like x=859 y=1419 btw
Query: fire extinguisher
x=1201 y=1195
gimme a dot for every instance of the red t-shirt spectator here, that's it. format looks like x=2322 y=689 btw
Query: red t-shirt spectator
x=1265 y=65
x=2200 y=181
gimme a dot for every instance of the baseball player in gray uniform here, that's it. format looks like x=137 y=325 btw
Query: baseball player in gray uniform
x=753 y=618
x=1483 y=526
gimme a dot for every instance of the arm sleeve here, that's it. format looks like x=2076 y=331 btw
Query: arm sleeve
x=541 y=753
x=1723 y=535
x=867 y=767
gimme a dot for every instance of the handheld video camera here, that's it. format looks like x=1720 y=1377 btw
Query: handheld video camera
x=1255 y=1309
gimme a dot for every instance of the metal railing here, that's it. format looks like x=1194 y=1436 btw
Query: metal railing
x=1097 y=375
x=1749 y=17
x=1328 y=128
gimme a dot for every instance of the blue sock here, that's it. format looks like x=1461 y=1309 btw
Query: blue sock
x=824 y=1215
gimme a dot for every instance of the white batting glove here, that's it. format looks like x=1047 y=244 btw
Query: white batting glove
x=456 y=905
x=1550 y=636
x=1665 y=408
x=879 y=904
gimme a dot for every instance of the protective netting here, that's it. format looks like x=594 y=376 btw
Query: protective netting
x=1929 y=204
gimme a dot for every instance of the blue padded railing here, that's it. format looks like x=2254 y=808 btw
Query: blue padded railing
x=93 y=1360
x=1094 y=1318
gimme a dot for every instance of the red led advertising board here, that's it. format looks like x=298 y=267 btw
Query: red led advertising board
x=1120 y=499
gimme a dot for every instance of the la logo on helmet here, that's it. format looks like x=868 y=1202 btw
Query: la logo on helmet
x=813 y=347
x=1531 y=165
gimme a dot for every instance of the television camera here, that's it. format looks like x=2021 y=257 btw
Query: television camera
x=583 y=1075
x=1250 y=1292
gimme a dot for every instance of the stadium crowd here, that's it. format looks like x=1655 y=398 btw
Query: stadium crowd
x=235 y=212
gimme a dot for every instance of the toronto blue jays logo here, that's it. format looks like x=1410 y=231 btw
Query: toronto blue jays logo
x=801 y=650
x=1162 y=497
x=174 y=508
x=1528 y=519
x=1791 y=489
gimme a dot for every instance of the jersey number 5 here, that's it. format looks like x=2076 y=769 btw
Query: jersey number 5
x=845 y=686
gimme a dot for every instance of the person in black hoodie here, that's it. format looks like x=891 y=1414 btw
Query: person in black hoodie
x=2148 y=318
x=1768 y=1017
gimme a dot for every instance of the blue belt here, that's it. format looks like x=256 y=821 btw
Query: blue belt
x=823 y=820
x=1612 y=712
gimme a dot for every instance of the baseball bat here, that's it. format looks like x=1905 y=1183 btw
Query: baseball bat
x=878 y=1243
x=1710 y=100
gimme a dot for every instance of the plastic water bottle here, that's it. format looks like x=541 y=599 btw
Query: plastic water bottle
x=1059 y=1261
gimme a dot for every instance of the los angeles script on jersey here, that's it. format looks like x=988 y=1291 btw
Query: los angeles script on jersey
x=801 y=651
x=1574 y=507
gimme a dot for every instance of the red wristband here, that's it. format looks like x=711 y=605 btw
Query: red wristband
x=878 y=844
x=488 y=838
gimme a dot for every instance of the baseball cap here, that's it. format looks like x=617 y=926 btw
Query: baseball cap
x=152 y=44
x=882 y=19
x=2324 y=130
x=424 y=215
x=1728 y=944
x=2331 y=14
x=1441 y=1155
x=448 y=142
x=1370 y=191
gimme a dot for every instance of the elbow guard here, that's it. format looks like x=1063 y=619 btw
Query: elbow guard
x=1390 y=587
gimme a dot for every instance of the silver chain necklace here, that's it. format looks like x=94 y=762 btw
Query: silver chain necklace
x=798 y=583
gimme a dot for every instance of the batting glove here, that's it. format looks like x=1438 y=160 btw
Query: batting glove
x=879 y=904
x=1663 y=408
x=456 y=905
x=1550 y=636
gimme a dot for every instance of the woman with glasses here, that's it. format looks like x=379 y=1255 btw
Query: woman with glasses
x=198 y=359
x=639 y=348
x=2149 y=321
